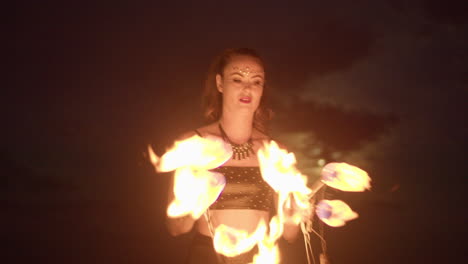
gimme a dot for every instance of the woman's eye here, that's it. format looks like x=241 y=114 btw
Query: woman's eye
x=237 y=80
x=258 y=83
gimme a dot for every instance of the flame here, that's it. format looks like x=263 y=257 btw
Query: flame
x=196 y=152
x=232 y=242
x=268 y=250
x=267 y=253
x=195 y=187
x=153 y=157
x=194 y=191
x=334 y=213
x=345 y=177
x=279 y=171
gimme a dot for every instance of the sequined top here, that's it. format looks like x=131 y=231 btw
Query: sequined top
x=245 y=189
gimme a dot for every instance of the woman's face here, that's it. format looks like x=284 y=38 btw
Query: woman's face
x=242 y=83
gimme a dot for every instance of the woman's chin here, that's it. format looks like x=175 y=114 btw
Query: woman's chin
x=250 y=106
x=247 y=109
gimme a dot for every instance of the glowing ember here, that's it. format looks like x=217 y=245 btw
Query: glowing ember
x=345 y=177
x=334 y=212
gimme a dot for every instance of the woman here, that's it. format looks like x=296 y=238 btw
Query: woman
x=234 y=103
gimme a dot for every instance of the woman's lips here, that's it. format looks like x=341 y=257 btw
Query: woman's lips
x=245 y=99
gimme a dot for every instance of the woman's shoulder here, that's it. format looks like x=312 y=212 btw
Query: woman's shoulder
x=258 y=135
x=207 y=130
x=267 y=138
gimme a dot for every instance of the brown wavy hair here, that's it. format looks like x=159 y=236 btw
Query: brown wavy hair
x=212 y=99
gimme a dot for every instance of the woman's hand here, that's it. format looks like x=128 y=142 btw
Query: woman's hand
x=292 y=215
x=179 y=225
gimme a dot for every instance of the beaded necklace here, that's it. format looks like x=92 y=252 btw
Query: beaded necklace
x=239 y=151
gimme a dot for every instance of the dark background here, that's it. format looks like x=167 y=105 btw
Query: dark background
x=380 y=84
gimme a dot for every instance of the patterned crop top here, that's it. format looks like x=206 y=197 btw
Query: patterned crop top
x=245 y=189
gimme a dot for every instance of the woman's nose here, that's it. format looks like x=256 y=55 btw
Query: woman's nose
x=247 y=86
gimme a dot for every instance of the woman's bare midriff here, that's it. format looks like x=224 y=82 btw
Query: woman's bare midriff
x=245 y=219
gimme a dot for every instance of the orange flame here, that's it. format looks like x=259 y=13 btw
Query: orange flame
x=268 y=250
x=279 y=171
x=195 y=188
x=153 y=157
x=345 y=177
x=267 y=253
x=194 y=192
x=231 y=242
x=334 y=213
x=196 y=152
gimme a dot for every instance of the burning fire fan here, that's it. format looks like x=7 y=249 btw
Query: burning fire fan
x=196 y=187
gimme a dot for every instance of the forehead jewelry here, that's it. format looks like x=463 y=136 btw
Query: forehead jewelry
x=245 y=71
x=239 y=151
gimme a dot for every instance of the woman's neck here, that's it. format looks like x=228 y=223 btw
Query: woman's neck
x=238 y=127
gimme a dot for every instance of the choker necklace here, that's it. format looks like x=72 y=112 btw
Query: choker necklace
x=239 y=151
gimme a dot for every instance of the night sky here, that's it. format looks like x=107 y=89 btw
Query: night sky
x=380 y=84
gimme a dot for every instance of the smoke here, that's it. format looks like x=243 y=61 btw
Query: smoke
x=414 y=71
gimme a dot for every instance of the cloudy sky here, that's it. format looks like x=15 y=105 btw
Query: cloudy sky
x=382 y=83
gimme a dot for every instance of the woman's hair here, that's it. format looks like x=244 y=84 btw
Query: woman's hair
x=213 y=100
